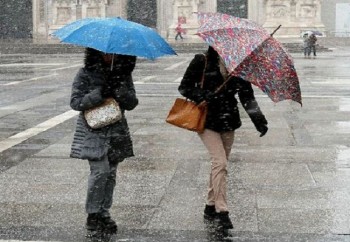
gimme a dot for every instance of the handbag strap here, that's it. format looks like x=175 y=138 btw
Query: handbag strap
x=222 y=85
x=203 y=74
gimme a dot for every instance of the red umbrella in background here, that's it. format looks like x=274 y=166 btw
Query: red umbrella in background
x=250 y=52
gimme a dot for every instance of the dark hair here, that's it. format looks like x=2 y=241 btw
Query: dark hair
x=125 y=63
x=212 y=55
x=94 y=60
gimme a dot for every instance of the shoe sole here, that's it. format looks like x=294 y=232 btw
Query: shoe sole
x=92 y=234
x=209 y=217
x=224 y=227
x=110 y=230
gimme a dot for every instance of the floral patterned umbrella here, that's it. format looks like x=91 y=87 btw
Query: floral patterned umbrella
x=251 y=53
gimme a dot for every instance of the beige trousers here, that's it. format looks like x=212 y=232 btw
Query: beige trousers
x=219 y=147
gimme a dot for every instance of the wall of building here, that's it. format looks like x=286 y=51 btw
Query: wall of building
x=163 y=15
x=329 y=15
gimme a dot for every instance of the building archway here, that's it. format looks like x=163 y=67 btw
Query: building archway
x=237 y=8
x=143 y=12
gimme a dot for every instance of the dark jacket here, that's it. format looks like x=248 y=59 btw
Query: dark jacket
x=312 y=40
x=92 y=84
x=223 y=114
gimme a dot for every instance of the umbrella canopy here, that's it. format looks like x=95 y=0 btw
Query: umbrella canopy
x=251 y=53
x=309 y=32
x=115 y=35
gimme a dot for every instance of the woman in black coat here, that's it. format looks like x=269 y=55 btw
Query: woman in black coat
x=222 y=119
x=103 y=76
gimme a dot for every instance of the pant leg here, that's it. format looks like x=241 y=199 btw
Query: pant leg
x=109 y=190
x=211 y=195
x=227 y=139
x=99 y=173
x=217 y=184
x=305 y=51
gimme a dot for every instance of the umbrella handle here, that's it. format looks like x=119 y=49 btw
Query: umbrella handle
x=112 y=64
x=275 y=30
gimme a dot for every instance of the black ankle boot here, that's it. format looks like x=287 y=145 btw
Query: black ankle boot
x=224 y=220
x=92 y=222
x=108 y=224
x=209 y=212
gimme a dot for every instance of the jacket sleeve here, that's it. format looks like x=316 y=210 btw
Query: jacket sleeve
x=125 y=95
x=247 y=99
x=190 y=84
x=82 y=98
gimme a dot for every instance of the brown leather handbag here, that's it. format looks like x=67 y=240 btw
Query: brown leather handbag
x=187 y=115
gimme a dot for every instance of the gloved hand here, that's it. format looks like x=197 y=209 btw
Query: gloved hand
x=262 y=128
x=107 y=91
x=121 y=92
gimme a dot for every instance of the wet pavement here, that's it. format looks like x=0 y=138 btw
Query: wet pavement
x=291 y=185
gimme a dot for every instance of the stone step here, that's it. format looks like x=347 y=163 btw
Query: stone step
x=30 y=48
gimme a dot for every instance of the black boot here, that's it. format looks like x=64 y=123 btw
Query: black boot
x=92 y=225
x=224 y=220
x=209 y=212
x=92 y=222
x=108 y=224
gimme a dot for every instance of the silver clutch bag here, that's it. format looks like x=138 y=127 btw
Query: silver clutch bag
x=105 y=114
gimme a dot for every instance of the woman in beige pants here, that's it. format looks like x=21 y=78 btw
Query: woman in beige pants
x=202 y=78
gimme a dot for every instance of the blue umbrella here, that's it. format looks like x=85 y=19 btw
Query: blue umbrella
x=115 y=35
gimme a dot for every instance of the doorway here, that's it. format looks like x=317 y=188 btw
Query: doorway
x=143 y=12
x=237 y=8
x=16 y=19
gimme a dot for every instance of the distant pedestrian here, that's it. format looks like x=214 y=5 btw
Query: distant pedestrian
x=306 y=44
x=103 y=76
x=312 y=44
x=179 y=30
x=221 y=121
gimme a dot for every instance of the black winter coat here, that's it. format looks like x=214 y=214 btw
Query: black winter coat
x=89 y=90
x=223 y=114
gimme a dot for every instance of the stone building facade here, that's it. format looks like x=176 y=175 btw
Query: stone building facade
x=163 y=15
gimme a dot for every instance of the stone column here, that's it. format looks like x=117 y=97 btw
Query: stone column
x=78 y=12
x=256 y=11
x=40 y=28
x=165 y=17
